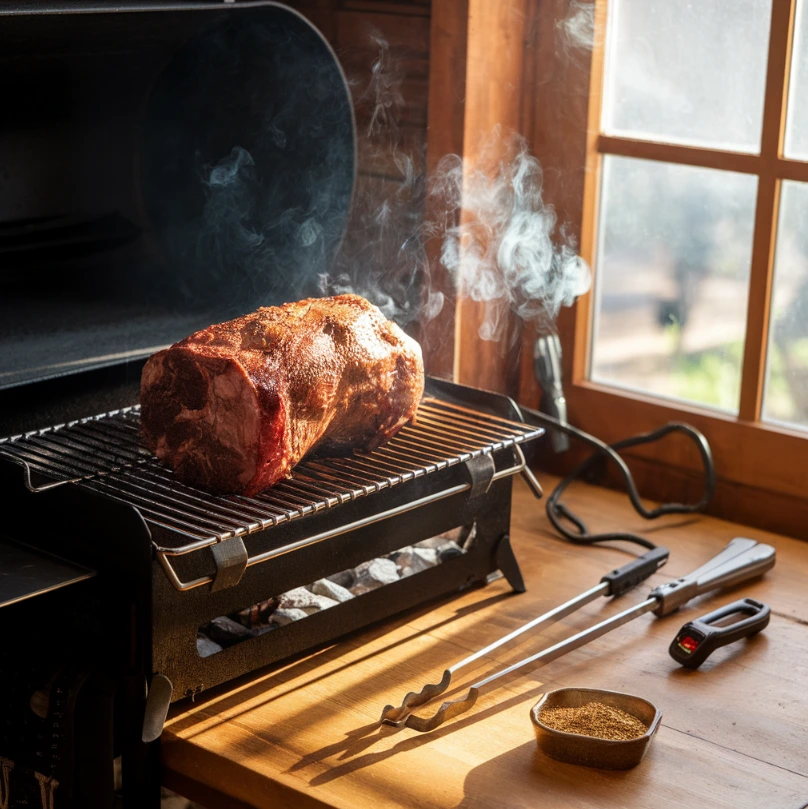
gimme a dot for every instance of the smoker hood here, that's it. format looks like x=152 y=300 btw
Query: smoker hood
x=162 y=166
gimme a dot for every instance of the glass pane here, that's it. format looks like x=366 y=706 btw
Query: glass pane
x=671 y=280
x=796 y=145
x=786 y=394
x=687 y=72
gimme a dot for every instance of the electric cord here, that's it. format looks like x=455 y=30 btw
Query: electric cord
x=561 y=516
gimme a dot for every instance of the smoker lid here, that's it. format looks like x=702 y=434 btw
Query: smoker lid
x=162 y=165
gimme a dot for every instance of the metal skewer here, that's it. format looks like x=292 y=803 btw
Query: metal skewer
x=741 y=560
x=615 y=583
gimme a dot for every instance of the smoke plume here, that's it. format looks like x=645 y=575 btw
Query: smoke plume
x=272 y=233
x=382 y=256
x=577 y=29
x=229 y=210
x=575 y=34
x=497 y=238
x=506 y=248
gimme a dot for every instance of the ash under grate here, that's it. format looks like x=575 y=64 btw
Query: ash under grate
x=295 y=605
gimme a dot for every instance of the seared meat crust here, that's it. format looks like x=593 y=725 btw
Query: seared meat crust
x=235 y=406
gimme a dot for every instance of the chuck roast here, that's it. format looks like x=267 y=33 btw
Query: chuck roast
x=235 y=406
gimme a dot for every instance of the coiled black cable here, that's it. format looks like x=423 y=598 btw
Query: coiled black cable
x=558 y=513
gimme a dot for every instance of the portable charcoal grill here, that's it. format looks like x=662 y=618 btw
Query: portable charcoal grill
x=200 y=556
x=144 y=147
x=180 y=557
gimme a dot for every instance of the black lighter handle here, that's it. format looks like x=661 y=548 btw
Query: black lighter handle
x=698 y=639
x=637 y=570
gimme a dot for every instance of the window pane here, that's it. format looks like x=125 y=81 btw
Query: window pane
x=671 y=280
x=687 y=72
x=796 y=145
x=786 y=395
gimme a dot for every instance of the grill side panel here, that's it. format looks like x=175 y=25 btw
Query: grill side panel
x=178 y=615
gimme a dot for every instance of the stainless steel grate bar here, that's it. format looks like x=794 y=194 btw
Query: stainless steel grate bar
x=104 y=453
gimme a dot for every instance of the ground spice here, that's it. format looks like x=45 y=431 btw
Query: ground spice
x=594 y=719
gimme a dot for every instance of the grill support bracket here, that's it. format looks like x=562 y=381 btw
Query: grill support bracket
x=231 y=558
x=481 y=472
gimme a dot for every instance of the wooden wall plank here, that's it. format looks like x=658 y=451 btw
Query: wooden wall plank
x=558 y=109
x=445 y=136
x=407 y=35
x=418 y=8
x=494 y=75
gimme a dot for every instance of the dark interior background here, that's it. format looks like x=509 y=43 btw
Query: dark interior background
x=160 y=171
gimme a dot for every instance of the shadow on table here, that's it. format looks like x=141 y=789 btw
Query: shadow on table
x=532 y=778
x=366 y=736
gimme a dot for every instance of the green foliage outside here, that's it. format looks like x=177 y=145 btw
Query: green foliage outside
x=713 y=377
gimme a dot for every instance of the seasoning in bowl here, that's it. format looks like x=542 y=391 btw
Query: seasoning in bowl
x=594 y=719
x=594 y=727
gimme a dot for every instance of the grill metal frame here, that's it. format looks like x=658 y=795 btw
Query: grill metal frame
x=104 y=454
x=81 y=522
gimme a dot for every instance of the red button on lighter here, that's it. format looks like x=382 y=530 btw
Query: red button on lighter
x=688 y=644
x=696 y=640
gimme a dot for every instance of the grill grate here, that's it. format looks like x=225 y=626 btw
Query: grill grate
x=104 y=453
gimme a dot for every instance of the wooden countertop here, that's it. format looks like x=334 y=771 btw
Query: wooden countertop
x=734 y=733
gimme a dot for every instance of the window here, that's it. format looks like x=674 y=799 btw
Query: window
x=695 y=221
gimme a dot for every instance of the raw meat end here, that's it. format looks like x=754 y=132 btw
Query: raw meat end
x=200 y=416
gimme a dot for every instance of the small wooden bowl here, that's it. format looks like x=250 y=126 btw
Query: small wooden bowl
x=589 y=751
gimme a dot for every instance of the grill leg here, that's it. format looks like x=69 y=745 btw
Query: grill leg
x=506 y=562
x=93 y=786
x=140 y=761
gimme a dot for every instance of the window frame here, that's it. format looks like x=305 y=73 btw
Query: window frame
x=748 y=451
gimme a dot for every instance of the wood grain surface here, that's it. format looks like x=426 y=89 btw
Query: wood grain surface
x=734 y=733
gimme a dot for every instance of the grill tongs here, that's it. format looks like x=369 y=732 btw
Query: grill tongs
x=742 y=559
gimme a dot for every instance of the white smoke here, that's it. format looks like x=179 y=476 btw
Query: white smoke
x=383 y=256
x=230 y=230
x=505 y=248
x=383 y=92
x=576 y=31
x=497 y=237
